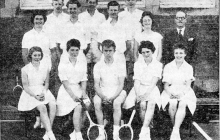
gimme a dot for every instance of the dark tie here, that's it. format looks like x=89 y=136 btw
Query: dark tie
x=180 y=32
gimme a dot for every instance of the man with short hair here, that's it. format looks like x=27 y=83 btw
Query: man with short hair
x=109 y=77
x=182 y=34
x=53 y=26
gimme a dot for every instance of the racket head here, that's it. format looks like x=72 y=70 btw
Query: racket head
x=95 y=131
x=17 y=90
x=126 y=132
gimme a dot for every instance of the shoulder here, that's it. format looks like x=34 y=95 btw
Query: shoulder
x=99 y=14
x=187 y=65
x=139 y=11
x=98 y=65
x=158 y=35
x=26 y=67
x=49 y=16
x=169 y=65
x=28 y=33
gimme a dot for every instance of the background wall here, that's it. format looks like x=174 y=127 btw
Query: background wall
x=205 y=22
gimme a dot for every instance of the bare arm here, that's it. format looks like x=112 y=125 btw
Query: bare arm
x=137 y=84
x=98 y=89
x=83 y=87
x=24 y=55
x=159 y=55
x=69 y=90
x=135 y=50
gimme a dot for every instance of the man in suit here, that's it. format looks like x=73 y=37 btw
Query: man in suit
x=183 y=34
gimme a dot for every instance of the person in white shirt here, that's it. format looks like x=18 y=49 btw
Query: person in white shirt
x=109 y=78
x=115 y=30
x=92 y=19
x=73 y=28
x=148 y=23
x=131 y=17
x=147 y=72
x=37 y=37
x=177 y=79
x=73 y=74
x=55 y=21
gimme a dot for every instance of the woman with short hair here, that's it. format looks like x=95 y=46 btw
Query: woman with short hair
x=35 y=80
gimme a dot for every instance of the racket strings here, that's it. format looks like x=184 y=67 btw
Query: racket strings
x=125 y=133
x=96 y=132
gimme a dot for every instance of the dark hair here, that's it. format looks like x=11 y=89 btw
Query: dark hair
x=73 y=2
x=146 y=44
x=32 y=50
x=88 y=1
x=113 y=3
x=108 y=43
x=147 y=13
x=38 y=13
x=181 y=46
x=72 y=43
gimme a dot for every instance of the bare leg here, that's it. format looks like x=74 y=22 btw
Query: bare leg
x=143 y=109
x=52 y=113
x=117 y=103
x=98 y=109
x=149 y=113
x=88 y=106
x=44 y=117
x=172 y=110
x=180 y=114
x=77 y=118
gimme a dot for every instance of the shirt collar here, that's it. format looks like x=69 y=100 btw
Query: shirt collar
x=182 y=30
x=126 y=9
x=96 y=11
x=35 y=32
x=175 y=66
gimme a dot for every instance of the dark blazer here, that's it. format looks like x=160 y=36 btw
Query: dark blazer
x=172 y=37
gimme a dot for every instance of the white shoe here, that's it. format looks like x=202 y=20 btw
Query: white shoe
x=116 y=136
x=45 y=137
x=175 y=135
x=101 y=136
x=73 y=135
x=145 y=134
x=78 y=136
x=51 y=136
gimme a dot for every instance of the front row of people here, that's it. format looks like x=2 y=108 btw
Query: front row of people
x=109 y=76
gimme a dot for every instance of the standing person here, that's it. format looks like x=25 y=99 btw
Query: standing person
x=73 y=74
x=147 y=34
x=53 y=26
x=35 y=80
x=131 y=17
x=92 y=19
x=109 y=77
x=114 y=29
x=37 y=37
x=73 y=28
x=147 y=72
x=177 y=79
x=180 y=33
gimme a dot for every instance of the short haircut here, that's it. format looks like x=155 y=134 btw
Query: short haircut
x=88 y=1
x=73 y=2
x=182 y=12
x=149 y=14
x=57 y=0
x=108 y=43
x=72 y=43
x=38 y=13
x=113 y=3
x=181 y=46
x=146 y=44
x=32 y=50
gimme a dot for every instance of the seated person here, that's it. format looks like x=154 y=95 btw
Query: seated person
x=35 y=80
x=147 y=72
x=109 y=78
x=73 y=75
x=177 y=78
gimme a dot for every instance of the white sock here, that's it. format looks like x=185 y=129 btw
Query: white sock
x=78 y=134
x=115 y=128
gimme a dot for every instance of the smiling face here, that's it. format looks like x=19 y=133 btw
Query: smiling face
x=180 y=19
x=179 y=55
x=130 y=3
x=146 y=53
x=57 y=6
x=73 y=10
x=147 y=22
x=73 y=52
x=38 y=21
x=36 y=56
x=113 y=11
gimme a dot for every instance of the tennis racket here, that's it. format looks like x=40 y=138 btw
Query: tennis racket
x=93 y=131
x=125 y=131
x=17 y=90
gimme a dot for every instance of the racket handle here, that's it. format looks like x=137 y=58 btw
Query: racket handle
x=17 y=79
x=201 y=131
x=132 y=116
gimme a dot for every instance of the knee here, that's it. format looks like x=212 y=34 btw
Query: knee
x=53 y=104
x=182 y=105
x=97 y=103
x=151 y=105
x=42 y=109
x=173 y=105
x=143 y=106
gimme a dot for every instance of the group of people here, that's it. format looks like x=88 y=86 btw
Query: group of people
x=60 y=47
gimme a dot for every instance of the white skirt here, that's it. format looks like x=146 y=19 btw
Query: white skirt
x=131 y=98
x=27 y=102
x=65 y=104
x=189 y=98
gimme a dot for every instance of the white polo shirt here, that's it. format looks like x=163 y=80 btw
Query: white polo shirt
x=131 y=20
x=91 y=23
x=34 y=38
x=53 y=27
x=117 y=33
